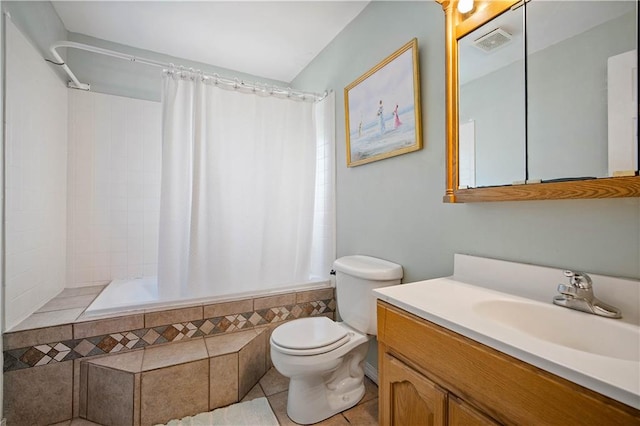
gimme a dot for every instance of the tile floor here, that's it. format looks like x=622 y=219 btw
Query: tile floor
x=274 y=387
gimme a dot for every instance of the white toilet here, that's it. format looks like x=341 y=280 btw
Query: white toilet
x=324 y=359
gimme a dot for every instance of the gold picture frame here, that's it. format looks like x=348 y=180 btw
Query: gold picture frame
x=382 y=109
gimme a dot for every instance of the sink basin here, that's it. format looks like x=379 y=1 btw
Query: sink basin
x=561 y=326
x=601 y=354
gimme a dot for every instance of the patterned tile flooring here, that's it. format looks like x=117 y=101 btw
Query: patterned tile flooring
x=274 y=387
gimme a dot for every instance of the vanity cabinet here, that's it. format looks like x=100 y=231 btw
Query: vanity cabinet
x=430 y=375
x=409 y=398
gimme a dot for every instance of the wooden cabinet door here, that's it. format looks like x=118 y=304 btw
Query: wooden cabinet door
x=408 y=398
x=463 y=414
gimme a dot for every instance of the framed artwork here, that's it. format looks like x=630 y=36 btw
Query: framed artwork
x=382 y=109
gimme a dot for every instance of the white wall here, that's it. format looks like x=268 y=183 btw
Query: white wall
x=115 y=146
x=36 y=176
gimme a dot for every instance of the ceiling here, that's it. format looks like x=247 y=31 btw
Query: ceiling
x=269 y=39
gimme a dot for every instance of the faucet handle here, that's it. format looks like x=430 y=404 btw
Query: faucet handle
x=579 y=279
x=567 y=290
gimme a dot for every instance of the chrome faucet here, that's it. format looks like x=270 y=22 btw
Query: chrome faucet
x=578 y=295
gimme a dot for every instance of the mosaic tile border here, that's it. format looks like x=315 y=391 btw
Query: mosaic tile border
x=67 y=350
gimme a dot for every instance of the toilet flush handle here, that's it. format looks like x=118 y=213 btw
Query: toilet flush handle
x=333 y=272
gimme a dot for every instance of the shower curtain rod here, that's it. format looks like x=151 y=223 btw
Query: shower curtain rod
x=234 y=83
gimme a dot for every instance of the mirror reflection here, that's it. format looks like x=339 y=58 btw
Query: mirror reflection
x=574 y=69
x=581 y=94
x=492 y=103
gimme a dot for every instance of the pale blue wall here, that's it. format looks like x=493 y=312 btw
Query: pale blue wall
x=393 y=208
x=40 y=23
x=37 y=20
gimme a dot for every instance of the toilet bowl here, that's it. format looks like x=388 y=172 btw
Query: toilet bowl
x=324 y=359
x=330 y=374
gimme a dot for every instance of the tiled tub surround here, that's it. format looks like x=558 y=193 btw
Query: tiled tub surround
x=164 y=382
x=42 y=365
x=35 y=179
x=65 y=308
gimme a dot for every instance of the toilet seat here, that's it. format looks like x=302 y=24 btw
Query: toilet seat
x=309 y=336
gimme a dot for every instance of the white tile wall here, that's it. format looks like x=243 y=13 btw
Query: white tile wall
x=324 y=208
x=36 y=177
x=115 y=147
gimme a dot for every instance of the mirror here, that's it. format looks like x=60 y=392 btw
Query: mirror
x=492 y=103
x=569 y=46
x=565 y=146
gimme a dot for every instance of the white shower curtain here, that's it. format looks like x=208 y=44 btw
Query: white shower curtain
x=238 y=189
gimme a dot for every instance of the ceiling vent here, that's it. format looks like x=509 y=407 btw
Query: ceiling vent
x=493 y=40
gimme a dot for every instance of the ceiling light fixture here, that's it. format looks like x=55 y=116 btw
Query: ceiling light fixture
x=465 y=6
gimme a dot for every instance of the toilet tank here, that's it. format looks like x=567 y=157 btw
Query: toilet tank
x=356 y=276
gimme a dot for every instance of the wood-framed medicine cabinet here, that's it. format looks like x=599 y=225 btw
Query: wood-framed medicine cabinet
x=457 y=26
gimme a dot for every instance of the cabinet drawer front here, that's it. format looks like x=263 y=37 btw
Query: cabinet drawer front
x=462 y=414
x=507 y=389
x=409 y=398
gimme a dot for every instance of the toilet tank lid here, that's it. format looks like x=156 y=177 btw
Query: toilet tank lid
x=368 y=268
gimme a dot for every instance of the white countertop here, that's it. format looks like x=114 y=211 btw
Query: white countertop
x=454 y=305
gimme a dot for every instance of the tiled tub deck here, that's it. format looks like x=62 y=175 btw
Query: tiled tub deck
x=42 y=361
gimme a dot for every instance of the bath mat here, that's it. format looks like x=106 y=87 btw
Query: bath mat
x=250 y=413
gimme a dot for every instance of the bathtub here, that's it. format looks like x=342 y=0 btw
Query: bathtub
x=139 y=294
